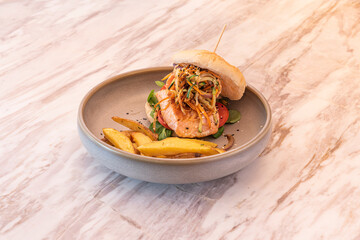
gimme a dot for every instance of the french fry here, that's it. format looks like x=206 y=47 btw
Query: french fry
x=135 y=148
x=173 y=146
x=220 y=150
x=135 y=126
x=186 y=155
x=211 y=144
x=140 y=138
x=182 y=155
x=119 y=139
x=127 y=133
x=107 y=141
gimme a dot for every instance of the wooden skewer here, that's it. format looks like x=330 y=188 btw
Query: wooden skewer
x=220 y=38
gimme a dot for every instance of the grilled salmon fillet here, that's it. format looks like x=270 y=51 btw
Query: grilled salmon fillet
x=185 y=125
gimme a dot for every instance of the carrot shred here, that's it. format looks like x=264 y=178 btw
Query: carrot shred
x=160 y=102
x=196 y=88
x=167 y=76
x=207 y=87
x=192 y=106
x=198 y=112
x=172 y=87
x=205 y=114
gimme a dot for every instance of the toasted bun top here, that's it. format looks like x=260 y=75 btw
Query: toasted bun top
x=233 y=82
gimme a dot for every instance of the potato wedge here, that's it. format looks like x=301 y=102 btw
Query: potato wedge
x=174 y=146
x=135 y=148
x=135 y=126
x=119 y=139
x=211 y=144
x=107 y=141
x=182 y=155
x=186 y=155
x=220 y=150
x=140 y=138
x=127 y=133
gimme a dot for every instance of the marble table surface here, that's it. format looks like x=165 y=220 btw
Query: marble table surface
x=303 y=55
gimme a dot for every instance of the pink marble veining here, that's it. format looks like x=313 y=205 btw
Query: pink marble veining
x=302 y=55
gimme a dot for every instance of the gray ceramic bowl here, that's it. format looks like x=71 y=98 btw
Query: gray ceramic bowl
x=125 y=95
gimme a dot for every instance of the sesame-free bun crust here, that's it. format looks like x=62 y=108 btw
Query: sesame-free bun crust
x=233 y=82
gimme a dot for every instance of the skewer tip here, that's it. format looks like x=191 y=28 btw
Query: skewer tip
x=217 y=44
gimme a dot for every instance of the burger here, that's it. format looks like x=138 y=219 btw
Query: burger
x=187 y=102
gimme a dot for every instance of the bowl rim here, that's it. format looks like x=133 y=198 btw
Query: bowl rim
x=168 y=161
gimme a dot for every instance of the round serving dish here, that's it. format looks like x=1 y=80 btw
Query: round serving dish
x=125 y=96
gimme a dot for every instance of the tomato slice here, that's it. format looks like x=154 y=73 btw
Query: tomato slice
x=161 y=121
x=223 y=113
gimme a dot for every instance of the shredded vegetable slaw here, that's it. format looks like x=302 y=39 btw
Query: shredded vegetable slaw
x=194 y=89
